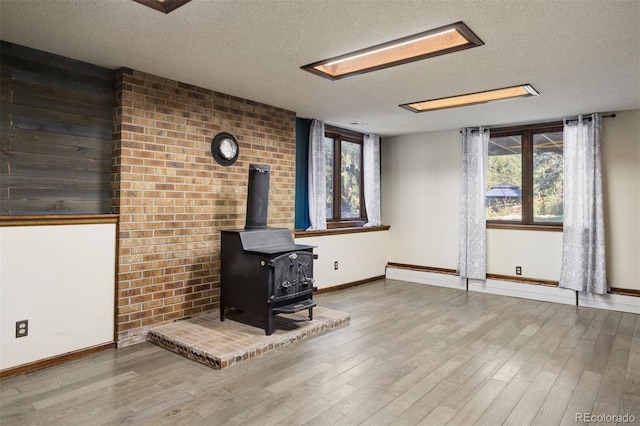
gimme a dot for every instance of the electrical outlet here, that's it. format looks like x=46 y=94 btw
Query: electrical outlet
x=335 y=265
x=22 y=328
x=518 y=270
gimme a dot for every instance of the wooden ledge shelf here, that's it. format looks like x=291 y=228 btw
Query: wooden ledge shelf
x=62 y=219
x=519 y=227
x=299 y=233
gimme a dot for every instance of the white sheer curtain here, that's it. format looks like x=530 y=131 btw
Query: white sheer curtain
x=583 y=252
x=317 y=178
x=472 y=256
x=371 y=169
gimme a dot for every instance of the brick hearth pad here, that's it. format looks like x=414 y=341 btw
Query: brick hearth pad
x=240 y=337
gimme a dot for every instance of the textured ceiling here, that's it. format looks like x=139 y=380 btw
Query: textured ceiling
x=582 y=56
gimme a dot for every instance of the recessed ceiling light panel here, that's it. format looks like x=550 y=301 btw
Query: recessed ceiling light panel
x=472 y=98
x=438 y=41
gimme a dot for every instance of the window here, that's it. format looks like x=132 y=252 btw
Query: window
x=345 y=196
x=524 y=177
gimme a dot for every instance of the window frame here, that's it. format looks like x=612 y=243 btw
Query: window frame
x=526 y=134
x=339 y=135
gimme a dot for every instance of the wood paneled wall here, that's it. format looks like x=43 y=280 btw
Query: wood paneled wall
x=56 y=120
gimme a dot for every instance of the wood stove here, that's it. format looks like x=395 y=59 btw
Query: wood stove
x=262 y=271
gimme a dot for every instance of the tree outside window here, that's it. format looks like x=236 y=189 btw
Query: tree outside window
x=343 y=160
x=524 y=176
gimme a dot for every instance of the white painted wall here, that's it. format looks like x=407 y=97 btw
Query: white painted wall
x=538 y=253
x=420 y=197
x=621 y=187
x=60 y=278
x=360 y=256
x=420 y=190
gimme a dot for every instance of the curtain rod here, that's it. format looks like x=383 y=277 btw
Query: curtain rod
x=571 y=120
x=567 y=120
x=474 y=130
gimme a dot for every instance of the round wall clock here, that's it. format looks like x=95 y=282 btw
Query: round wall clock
x=224 y=148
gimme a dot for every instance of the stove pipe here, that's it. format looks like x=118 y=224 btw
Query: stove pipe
x=258 y=196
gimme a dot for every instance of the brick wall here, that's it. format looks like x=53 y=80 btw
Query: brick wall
x=173 y=198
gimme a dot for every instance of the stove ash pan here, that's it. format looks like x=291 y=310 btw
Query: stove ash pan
x=264 y=273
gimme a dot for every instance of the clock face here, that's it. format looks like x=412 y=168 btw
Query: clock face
x=228 y=149
x=224 y=149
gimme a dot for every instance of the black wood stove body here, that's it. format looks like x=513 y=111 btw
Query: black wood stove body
x=262 y=270
x=264 y=273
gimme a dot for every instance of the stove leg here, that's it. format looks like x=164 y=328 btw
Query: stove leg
x=310 y=314
x=268 y=324
x=221 y=312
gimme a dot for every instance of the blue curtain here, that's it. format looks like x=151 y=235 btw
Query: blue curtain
x=303 y=126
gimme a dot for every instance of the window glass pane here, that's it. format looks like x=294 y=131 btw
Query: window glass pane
x=503 y=199
x=328 y=161
x=351 y=173
x=547 y=177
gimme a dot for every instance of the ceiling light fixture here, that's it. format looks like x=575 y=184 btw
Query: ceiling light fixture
x=472 y=98
x=438 y=41
x=164 y=6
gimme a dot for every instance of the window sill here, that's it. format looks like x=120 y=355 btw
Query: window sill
x=300 y=233
x=335 y=224
x=521 y=227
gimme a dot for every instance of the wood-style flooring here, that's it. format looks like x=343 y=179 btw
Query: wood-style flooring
x=413 y=354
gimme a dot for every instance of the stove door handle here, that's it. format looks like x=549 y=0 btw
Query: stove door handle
x=290 y=256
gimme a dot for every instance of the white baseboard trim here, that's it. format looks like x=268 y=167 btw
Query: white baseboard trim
x=424 y=277
x=613 y=302
x=524 y=291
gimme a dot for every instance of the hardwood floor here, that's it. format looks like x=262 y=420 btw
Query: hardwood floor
x=413 y=354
